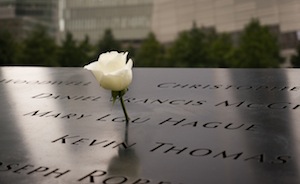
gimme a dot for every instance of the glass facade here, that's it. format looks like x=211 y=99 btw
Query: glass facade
x=128 y=19
x=134 y=19
x=172 y=16
x=7 y=9
x=22 y=15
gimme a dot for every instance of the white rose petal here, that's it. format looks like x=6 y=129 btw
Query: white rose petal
x=111 y=70
x=112 y=81
x=93 y=67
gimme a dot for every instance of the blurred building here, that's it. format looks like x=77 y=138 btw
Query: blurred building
x=133 y=20
x=20 y=16
x=173 y=16
x=129 y=20
x=282 y=17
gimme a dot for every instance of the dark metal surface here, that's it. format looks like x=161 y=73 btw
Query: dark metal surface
x=187 y=126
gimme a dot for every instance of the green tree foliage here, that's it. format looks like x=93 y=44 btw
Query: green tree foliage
x=68 y=52
x=39 y=48
x=74 y=54
x=131 y=51
x=193 y=48
x=296 y=58
x=85 y=49
x=151 y=53
x=188 y=50
x=220 y=50
x=106 y=43
x=9 y=48
x=258 y=48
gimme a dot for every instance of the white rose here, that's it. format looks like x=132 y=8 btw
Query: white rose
x=111 y=70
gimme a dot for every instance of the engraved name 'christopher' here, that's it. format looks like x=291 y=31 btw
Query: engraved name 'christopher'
x=175 y=85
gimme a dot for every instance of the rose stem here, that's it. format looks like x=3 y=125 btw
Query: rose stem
x=124 y=108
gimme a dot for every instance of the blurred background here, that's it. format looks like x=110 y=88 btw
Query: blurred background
x=156 y=33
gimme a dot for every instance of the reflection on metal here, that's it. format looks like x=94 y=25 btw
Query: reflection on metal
x=186 y=126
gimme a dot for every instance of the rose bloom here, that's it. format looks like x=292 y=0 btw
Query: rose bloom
x=111 y=70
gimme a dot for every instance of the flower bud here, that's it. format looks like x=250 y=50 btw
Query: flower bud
x=112 y=71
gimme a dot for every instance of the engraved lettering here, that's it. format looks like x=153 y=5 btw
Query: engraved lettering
x=90 y=177
x=226 y=103
x=224 y=155
x=63 y=139
x=57 y=173
x=175 y=122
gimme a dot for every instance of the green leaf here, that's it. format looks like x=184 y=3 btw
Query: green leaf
x=114 y=95
x=122 y=93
